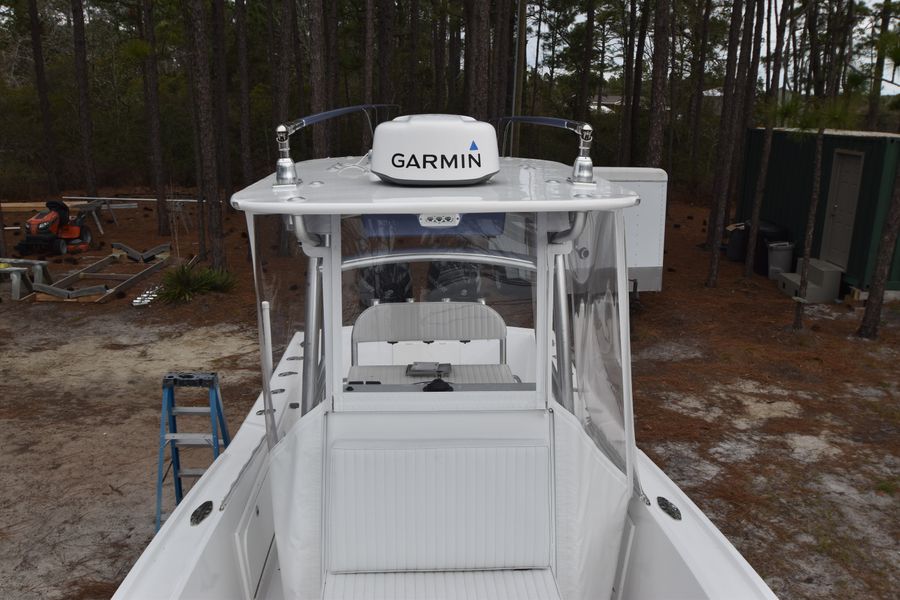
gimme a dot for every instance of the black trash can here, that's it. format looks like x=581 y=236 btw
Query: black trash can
x=736 y=249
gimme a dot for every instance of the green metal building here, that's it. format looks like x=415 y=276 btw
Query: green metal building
x=858 y=170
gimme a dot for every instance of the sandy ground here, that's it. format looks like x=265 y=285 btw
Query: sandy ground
x=79 y=424
x=789 y=442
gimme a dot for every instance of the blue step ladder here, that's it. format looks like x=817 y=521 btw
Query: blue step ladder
x=170 y=436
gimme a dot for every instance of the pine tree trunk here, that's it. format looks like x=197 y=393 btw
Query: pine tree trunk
x=724 y=146
x=385 y=50
x=601 y=68
x=202 y=201
x=272 y=60
x=297 y=44
x=748 y=106
x=478 y=44
x=50 y=159
x=868 y=328
x=658 y=84
x=537 y=57
x=587 y=61
x=199 y=24
x=723 y=138
x=499 y=61
x=698 y=74
x=845 y=51
x=554 y=39
x=772 y=102
x=284 y=65
x=838 y=23
x=318 y=92
x=810 y=229
x=440 y=55
x=637 y=80
x=815 y=59
x=220 y=96
x=786 y=57
x=412 y=54
x=240 y=14
x=334 y=73
x=468 y=49
x=369 y=58
x=85 y=121
x=521 y=70
x=878 y=72
x=624 y=154
x=151 y=106
x=796 y=53
x=675 y=75
x=801 y=75
x=454 y=51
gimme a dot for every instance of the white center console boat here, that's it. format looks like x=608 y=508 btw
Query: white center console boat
x=447 y=414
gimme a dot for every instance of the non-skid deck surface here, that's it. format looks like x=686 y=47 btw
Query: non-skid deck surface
x=521 y=584
x=396 y=374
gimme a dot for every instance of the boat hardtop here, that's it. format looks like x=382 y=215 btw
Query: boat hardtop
x=345 y=185
x=446 y=407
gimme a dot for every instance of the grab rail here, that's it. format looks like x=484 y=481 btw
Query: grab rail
x=583 y=169
x=500 y=260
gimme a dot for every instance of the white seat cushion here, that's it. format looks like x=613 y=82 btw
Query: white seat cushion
x=525 y=584
x=438 y=506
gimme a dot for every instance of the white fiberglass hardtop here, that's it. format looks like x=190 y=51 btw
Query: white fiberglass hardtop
x=446 y=409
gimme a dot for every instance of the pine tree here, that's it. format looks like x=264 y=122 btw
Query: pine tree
x=85 y=122
x=198 y=21
x=40 y=80
x=154 y=127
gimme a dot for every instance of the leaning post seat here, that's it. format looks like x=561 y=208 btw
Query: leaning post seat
x=438 y=506
x=427 y=322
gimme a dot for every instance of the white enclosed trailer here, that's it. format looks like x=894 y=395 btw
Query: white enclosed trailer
x=645 y=224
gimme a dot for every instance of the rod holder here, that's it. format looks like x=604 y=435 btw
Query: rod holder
x=286 y=175
x=583 y=169
x=285 y=169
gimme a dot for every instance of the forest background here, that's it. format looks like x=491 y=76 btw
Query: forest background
x=172 y=95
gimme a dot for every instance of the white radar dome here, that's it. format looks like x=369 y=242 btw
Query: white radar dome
x=435 y=150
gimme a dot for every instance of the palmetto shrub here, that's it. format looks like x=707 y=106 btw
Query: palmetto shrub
x=185 y=282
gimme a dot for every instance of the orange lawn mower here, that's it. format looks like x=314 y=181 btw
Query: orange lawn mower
x=54 y=230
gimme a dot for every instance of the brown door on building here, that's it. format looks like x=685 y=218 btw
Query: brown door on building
x=843 y=196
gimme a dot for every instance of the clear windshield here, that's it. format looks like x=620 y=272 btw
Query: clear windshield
x=456 y=303
x=444 y=297
x=281 y=278
x=596 y=302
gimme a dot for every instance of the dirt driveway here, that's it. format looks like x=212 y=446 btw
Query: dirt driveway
x=789 y=442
